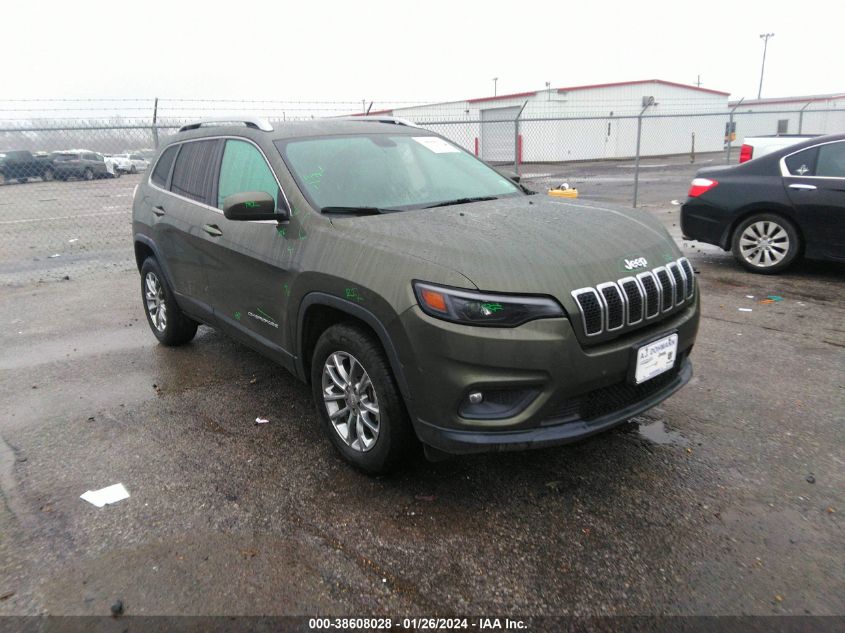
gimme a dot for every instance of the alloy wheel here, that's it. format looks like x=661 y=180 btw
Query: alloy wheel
x=156 y=308
x=351 y=401
x=764 y=243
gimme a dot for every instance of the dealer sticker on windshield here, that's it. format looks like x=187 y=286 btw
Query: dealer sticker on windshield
x=655 y=358
x=436 y=145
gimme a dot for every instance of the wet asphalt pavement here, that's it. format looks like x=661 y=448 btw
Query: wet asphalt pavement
x=726 y=499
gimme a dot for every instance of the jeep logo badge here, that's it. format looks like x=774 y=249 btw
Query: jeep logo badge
x=639 y=262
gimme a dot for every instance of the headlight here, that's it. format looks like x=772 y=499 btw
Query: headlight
x=481 y=308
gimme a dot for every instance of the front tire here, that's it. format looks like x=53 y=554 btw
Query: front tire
x=358 y=402
x=766 y=243
x=88 y=174
x=133 y=170
x=48 y=175
x=169 y=325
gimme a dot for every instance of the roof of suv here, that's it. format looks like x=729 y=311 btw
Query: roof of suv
x=298 y=129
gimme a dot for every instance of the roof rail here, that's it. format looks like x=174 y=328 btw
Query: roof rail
x=250 y=121
x=395 y=120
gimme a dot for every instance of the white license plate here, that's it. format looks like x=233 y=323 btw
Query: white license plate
x=655 y=358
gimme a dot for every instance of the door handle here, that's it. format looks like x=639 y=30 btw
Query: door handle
x=158 y=210
x=213 y=230
x=802 y=187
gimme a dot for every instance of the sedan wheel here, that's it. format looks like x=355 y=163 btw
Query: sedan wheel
x=766 y=243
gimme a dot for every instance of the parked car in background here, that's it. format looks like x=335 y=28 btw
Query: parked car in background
x=79 y=164
x=759 y=146
x=120 y=163
x=21 y=165
x=136 y=162
x=420 y=293
x=772 y=210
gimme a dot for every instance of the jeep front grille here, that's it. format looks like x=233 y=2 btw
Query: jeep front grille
x=591 y=311
x=632 y=300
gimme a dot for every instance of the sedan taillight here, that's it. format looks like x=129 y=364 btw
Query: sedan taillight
x=700 y=186
x=746 y=153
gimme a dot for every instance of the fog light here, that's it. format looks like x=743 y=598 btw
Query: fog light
x=496 y=403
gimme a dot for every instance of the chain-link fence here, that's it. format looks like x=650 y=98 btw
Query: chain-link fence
x=66 y=184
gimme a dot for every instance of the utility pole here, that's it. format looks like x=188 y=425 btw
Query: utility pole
x=495 y=80
x=765 y=37
x=698 y=81
x=549 y=89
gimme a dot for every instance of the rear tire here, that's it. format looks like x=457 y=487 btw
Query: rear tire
x=133 y=170
x=88 y=174
x=48 y=175
x=357 y=400
x=2 y=179
x=766 y=243
x=169 y=324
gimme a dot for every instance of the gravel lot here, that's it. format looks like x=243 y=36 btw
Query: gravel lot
x=727 y=499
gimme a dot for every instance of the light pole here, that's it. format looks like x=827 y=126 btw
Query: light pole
x=495 y=79
x=765 y=37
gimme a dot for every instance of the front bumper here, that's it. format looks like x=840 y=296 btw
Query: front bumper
x=568 y=391
x=464 y=442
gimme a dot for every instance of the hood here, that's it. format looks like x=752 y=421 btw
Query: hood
x=528 y=245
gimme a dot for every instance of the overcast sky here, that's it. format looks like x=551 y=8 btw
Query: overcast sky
x=426 y=51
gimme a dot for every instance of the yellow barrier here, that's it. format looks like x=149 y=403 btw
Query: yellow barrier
x=563 y=193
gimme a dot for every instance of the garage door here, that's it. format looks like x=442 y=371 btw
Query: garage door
x=498 y=127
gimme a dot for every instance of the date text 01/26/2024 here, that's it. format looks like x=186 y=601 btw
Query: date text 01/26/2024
x=417 y=624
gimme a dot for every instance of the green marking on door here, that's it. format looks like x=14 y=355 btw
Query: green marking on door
x=353 y=295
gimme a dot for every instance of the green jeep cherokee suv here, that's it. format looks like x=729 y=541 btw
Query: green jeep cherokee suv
x=422 y=294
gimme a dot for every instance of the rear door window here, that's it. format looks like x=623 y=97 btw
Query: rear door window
x=803 y=163
x=244 y=169
x=193 y=173
x=162 y=170
x=831 y=161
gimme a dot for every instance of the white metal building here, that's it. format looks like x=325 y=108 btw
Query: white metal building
x=789 y=115
x=581 y=122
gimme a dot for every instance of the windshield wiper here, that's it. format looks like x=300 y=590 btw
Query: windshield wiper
x=449 y=203
x=355 y=210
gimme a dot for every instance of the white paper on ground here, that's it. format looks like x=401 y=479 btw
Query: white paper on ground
x=110 y=494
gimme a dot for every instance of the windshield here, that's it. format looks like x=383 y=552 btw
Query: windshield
x=394 y=172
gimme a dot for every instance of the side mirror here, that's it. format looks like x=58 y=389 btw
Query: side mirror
x=253 y=205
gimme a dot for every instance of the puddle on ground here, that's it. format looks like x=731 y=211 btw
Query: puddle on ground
x=656 y=432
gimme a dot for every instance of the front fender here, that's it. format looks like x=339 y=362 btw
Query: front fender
x=359 y=312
